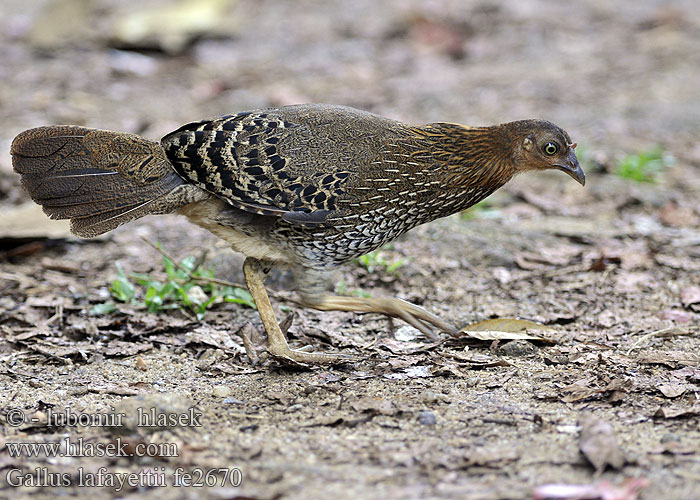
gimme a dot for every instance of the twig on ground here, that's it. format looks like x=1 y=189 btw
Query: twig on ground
x=664 y=332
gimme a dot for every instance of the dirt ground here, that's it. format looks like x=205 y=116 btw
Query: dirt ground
x=613 y=268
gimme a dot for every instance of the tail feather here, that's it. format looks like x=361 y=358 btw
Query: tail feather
x=106 y=221
x=97 y=178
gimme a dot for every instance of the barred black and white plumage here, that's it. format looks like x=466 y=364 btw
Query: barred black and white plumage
x=308 y=186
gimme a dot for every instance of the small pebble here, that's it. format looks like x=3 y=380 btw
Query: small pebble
x=430 y=397
x=141 y=364
x=407 y=333
x=670 y=438
x=221 y=391
x=197 y=295
x=518 y=348
x=427 y=418
x=472 y=381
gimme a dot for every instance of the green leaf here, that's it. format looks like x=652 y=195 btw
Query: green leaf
x=181 y=289
x=153 y=299
x=170 y=269
x=188 y=263
x=122 y=289
x=240 y=296
x=645 y=166
x=103 y=309
x=375 y=260
x=182 y=295
x=143 y=279
x=394 y=266
x=341 y=287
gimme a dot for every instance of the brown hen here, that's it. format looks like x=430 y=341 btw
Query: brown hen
x=306 y=187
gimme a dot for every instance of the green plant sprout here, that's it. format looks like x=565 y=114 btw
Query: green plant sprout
x=645 y=166
x=375 y=260
x=186 y=286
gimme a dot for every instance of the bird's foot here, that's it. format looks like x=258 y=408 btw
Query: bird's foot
x=412 y=314
x=255 y=272
x=417 y=317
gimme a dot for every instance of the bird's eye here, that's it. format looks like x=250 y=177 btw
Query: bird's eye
x=550 y=148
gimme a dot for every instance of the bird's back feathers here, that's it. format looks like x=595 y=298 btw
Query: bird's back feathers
x=287 y=161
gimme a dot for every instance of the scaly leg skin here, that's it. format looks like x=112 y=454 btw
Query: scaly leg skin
x=412 y=314
x=255 y=273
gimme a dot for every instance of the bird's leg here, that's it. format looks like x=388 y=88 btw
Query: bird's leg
x=312 y=290
x=412 y=314
x=255 y=272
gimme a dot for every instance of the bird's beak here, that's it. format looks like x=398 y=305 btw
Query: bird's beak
x=573 y=168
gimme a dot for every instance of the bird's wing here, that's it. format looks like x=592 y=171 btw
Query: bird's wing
x=240 y=158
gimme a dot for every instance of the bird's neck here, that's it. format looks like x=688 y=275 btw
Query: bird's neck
x=470 y=162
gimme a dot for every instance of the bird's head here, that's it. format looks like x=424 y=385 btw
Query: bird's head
x=542 y=146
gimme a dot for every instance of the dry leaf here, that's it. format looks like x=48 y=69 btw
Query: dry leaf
x=672 y=389
x=172 y=27
x=397 y=347
x=673 y=215
x=474 y=360
x=629 y=490
x=121 y=348
x=547 y=256
x=676 y=412
x=78 y=349
x=581 y=390
x=671 y=358
x=675 y=315
x=214 y=337
x=506 y=329
x=28 y=334
x=676 y=447
x=375 y=405
x=599 y=444
x=499 y=335
x=690 y=298
x=678 y=262
x=628 y=282
x=492 y=456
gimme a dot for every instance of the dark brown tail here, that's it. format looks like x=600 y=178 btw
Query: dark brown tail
x=97 y=178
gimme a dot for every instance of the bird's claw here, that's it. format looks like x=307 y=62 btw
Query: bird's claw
x=419 y=318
